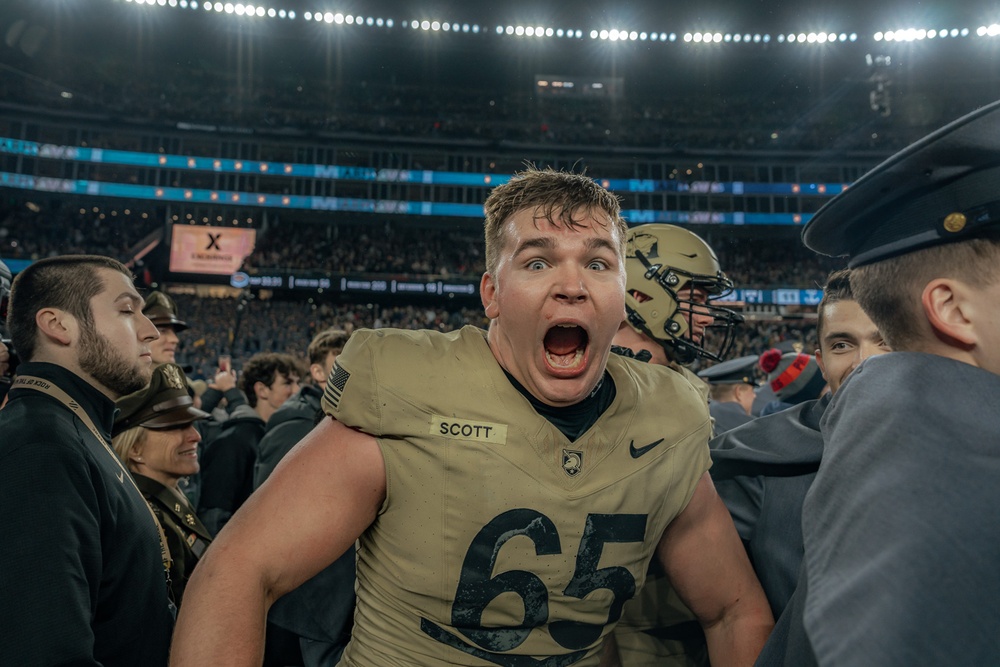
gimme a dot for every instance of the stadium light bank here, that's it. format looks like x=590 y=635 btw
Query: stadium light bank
x=241 y=11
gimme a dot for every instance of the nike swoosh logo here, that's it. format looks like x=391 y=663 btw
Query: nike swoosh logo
x=636 y=452
x=121 y=475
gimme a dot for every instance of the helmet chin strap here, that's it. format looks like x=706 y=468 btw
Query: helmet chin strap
x=680 y=352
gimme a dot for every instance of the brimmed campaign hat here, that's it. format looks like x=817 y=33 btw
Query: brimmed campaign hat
x=163 y=403
x=943 y=188
x=162 y=311
x=734 y=371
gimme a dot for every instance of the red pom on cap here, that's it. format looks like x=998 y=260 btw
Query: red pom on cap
x=770 y=360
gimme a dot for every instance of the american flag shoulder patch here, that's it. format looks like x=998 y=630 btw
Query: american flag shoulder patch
x=335 y=386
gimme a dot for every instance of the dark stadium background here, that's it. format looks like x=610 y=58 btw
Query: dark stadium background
x=160 y=79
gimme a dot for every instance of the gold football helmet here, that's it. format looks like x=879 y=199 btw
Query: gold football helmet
x=672 y=278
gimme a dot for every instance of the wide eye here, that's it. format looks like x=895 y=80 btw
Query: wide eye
x=536 y=265
x=597 y=265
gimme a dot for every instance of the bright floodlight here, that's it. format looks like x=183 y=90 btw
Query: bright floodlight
x=781 y=39
x=425 y=25
x=746 y=37
x=229 y=8
x=688 y=37
x=643 y=36
x=737 y=38
x=717 y=37
x=878 y=36
x=519 y=30
x=529 y=31
x=281 y=14
x=291 y=14
x=436 y=25
x=954 y=32
x=673 y=36
x=965 y=32
x=509 y=30
x=549 y=32
x=559 y=32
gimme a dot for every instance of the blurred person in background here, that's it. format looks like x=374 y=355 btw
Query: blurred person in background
x=732 y=392
x=227 y=467
x=794 y=377
x=154 y=435
x=83 y=573
x=319 y=612
x=162 y=311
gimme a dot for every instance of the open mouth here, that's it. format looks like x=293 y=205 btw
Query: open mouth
x=566 y=346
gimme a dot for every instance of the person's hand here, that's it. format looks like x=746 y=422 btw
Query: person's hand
x=223 y=381
x=4 y=359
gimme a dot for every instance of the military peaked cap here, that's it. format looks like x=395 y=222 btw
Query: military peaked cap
x=162 y=311
x=163 y=403
x=943 y=188
x=734 y=371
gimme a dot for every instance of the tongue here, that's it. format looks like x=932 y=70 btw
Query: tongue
x=564 y=340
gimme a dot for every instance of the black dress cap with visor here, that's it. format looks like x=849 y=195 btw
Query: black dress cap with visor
x=163 y=403
x=941 y=189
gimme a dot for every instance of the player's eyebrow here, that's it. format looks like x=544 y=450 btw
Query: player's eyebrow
x=600 y=244
x=543 y=242
x=130 y=296
x=836 y=335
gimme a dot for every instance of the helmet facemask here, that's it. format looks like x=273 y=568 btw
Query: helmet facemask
x=672 y=278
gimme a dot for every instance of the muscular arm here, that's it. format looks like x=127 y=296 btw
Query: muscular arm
x=707 y=565
x=317 y=502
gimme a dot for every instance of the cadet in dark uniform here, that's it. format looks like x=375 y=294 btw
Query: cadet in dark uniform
x=731 y=392
x=82 y=569
x=154 y=435
x=901 y=527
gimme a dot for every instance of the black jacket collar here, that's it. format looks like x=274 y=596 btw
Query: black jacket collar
x=100 y=408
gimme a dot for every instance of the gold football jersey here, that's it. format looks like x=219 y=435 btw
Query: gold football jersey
x=500 y=541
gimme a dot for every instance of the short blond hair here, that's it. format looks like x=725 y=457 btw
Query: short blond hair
x=556 y=196
x=126 y=441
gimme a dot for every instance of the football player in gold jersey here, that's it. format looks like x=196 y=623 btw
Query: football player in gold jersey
x=507 y=488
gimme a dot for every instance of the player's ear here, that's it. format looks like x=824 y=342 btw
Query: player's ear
x=488 y=295
x=949 y=306
x=57 y=326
